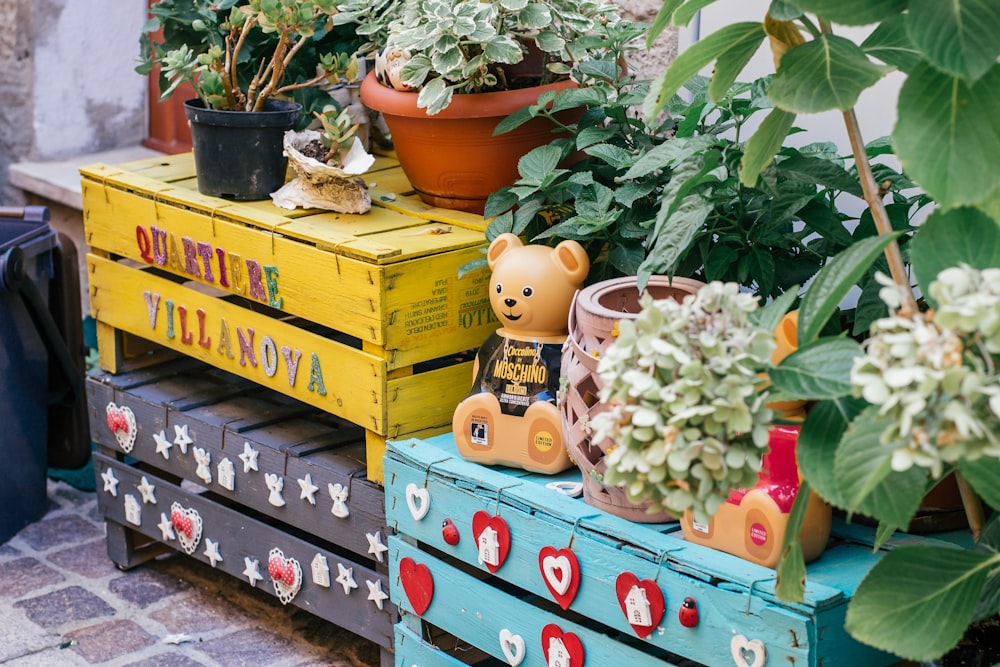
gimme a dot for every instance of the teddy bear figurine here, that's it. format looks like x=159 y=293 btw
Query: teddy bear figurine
x=510 y=417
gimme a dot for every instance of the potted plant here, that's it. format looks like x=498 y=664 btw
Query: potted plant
x=460 y=66
x=917 y=398
x=244 y=61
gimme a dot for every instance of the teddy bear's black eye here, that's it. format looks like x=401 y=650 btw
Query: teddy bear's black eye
x=527 y=291
x=499 y=288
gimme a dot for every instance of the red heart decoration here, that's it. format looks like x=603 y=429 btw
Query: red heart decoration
x=481 y=520
x=560 y=570
x=117 y=421
x=281 y=569
x=572 y=644
x=181 y=522
x=654 y=596
x=418 y=584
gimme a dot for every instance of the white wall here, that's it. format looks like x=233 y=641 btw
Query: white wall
x=87 y=96
x=876 y=107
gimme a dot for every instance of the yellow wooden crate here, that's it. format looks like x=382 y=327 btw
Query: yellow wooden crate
x=364 y=316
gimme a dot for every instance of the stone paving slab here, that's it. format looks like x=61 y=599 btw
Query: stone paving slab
x=64 y=604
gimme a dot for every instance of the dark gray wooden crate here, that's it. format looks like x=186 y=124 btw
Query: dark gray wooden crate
x=187 y=405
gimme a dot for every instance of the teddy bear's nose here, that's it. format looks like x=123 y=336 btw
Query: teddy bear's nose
x=510 y=303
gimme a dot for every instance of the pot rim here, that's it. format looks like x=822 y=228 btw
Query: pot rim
x=389 y=101
x=276 y=113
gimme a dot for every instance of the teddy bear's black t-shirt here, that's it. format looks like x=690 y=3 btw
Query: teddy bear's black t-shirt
x=518 y=372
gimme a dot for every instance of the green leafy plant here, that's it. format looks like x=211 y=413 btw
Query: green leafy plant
x=469 y=46
x=873 y=458
x=665 y=197
x=238 y=53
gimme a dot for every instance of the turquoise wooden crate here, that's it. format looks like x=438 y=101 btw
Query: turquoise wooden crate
x=740 y=619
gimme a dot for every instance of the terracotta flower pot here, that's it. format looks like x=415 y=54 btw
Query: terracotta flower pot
x=452 y=158
x=593 y=320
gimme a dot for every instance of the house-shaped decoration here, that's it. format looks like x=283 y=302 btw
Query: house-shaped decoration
x=558 y=656
x=321 y=571
x=637 y=607
x=489 y=547
x=227 y=474
x=133 y=511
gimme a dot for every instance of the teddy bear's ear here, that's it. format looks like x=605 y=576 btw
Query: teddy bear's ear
x=573 y=260
x=500 y=246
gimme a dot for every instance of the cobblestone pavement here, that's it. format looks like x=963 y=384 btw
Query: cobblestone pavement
x=63 y=602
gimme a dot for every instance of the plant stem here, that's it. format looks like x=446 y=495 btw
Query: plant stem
x=873 y=197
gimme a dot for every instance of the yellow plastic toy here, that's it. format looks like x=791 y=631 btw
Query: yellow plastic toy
x=510 y=417
x=752 y=523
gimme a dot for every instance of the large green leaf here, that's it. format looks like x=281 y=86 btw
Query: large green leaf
x=851 y=12
x=663 y=19
x=947 y=134
x=890 y=43
x=989 y=541
x=918 y=599
x=818 y=171
x=817 y=447
x=736 y=37
x=791 y=567
x=984 y=476
x=828 y=72
x=764 y=145
x=863 y=472
x=959 y=37
x=949 y=237
x=819 y=370
x=829 y=287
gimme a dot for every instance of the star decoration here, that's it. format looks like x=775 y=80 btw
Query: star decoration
x=110 y=482
x=252 y=570
x=308 y=489
x=147 y=490
x=249 y=458
x=375 y=546
x=375 y=592
x=162 y=444
x=345 y=578
x=181 y=437
x=212 y=552
x=166 y=528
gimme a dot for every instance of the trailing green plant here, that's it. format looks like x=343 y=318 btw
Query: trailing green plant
x=239 y=53
x=876 y=446
x=472 y=46
x=665 y=196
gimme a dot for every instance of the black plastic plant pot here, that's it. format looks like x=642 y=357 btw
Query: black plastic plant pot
x=238 y=154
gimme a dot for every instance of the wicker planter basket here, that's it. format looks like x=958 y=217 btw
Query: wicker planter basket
x=592 y=320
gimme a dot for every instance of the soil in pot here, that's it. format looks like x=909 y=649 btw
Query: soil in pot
x=238 y=154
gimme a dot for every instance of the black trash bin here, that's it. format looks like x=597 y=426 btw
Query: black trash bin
x=41 y=379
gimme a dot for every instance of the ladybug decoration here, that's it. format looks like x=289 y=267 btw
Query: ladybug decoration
x=449 y=532
x=688 y=613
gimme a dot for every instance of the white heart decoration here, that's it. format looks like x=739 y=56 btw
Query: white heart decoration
x=418 y=500
x=512 y=646
x=126 y=430
x=285 y=591
x=740 y=646
x=557 y=571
